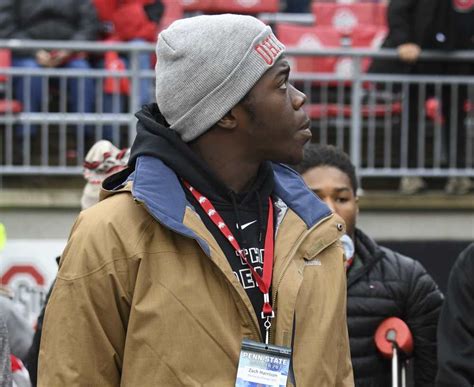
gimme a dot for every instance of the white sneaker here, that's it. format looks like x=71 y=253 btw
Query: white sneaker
x=458 y=185
x=410 y=185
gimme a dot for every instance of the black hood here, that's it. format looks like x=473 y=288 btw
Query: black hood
x=154 y=138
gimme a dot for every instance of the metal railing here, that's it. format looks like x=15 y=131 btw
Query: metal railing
x=390 y=124
x=368 y=115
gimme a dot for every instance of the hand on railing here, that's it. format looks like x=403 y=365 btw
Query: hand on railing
x=43 y=57
x=409 y=52
x=52 y=58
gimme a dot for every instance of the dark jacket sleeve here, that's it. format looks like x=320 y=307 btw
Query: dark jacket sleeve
x=8 y=21
x=456 y=326
x=422 y=311
x=400 y=14
x=7 y=25
x=89 y=26
x=31 y=361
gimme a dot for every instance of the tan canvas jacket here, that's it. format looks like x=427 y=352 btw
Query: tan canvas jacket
x=137 y=303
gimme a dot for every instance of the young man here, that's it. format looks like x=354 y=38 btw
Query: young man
x=203 y=242
x=380 y=283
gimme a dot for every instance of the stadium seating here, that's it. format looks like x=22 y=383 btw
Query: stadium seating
x=173 y=11
x=197 y=5
x=235 y=6
x=326 y=36
x=347 y=17
x=321 y=37
x=317 y=38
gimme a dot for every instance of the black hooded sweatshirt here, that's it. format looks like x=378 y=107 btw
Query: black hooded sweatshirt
x=244 y=213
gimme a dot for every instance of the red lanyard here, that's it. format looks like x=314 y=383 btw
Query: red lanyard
x=264 y=282
x=348 y=263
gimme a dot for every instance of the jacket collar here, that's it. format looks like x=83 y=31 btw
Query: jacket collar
x=158 y=187
x=368 y=252
x=289 y=187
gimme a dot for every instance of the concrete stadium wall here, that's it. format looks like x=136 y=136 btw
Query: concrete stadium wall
x=47 y=223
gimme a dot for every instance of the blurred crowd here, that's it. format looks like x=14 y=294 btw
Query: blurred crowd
x=412 y=26
x=134 y=21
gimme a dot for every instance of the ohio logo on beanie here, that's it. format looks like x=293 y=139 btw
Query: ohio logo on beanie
x=269 y=49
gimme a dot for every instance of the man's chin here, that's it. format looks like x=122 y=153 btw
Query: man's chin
x=292 y=160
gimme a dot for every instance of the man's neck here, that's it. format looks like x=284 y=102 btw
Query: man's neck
x=238 y=175
x=236 y=171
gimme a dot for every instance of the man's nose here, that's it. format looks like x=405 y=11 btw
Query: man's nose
x=298 y=98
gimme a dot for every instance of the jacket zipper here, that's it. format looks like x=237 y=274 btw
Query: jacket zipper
x=296 y=246
x=289 y=259
x=256 y=331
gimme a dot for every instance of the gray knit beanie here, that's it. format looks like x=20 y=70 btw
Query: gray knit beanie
x=206 y=65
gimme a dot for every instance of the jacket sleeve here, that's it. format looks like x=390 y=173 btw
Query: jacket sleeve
x=8 y=24
x=422 y=311
x=345 y=377
x=88 y=25
x=86 y=317
x=31 y=361
x=400 y=13
x=456 y=326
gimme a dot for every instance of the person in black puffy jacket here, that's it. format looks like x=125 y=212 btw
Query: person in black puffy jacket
x=380 y=282
x=456 y=325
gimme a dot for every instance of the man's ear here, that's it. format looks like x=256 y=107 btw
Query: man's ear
x=229 y=121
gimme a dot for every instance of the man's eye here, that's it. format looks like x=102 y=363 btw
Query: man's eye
x=342 y=200
x=284 y=85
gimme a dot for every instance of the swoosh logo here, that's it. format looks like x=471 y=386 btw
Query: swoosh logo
x=244 y=226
